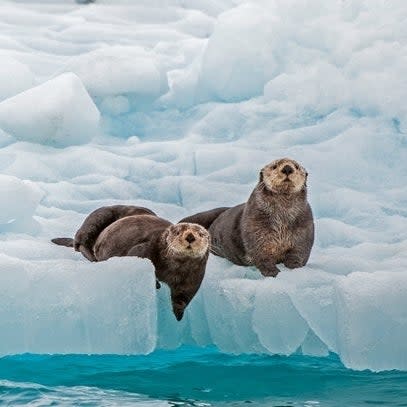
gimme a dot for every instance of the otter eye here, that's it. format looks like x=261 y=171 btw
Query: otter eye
x=297 y=167
x=274 y=167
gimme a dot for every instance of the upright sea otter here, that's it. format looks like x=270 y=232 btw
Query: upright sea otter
x=274 y=226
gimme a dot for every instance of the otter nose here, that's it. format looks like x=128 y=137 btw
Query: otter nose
x=190 y=238
x=287 y=170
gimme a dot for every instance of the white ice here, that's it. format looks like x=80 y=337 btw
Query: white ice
x=58 y=112
x=176 y=106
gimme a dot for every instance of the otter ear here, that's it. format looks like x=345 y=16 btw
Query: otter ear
x=261 y=176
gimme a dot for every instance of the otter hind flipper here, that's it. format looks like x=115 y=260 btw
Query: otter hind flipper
x=63 y=241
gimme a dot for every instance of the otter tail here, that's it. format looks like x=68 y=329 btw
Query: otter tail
x=63 y=241
x=206 y=218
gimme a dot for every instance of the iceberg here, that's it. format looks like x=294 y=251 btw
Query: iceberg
x=176 y=106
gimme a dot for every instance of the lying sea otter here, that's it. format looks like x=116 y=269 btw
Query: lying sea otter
x=178 y=252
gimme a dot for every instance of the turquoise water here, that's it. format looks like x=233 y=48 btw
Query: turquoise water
x=196 y=377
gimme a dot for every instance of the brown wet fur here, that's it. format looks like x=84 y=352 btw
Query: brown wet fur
x=274 y=226
x=99 y=219
x=178 y=252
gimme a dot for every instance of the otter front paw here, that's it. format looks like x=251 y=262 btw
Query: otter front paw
x=178 y=309
x=86 y=252
x=293 y=262
x=271 y=271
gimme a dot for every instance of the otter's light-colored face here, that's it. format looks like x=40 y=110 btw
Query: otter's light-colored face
x=187 y=239
x=284 y=176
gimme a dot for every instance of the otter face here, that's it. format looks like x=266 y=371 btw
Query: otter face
x=284 y=176
x=187 y=239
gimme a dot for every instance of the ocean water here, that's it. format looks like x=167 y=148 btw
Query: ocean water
x=191 y=376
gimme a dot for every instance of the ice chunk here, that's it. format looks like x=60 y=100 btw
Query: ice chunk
x=279 y=326
x=228 y=302
x=68 y=306
x=319 y=88
x=120 y=70
x=313 y=294
x=372 y=320
x=19 y=200
x=229 y=308
x=309 y=311
x=58 y=112
x=313 y=346
x=238 y=59
x=15 y=77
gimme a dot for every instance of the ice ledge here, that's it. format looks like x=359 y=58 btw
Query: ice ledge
x=71 y=306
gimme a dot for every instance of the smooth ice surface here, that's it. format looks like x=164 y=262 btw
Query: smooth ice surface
x=75 y=307
x=176 y=106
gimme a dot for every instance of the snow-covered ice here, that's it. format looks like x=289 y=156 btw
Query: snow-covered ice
x=176 y=105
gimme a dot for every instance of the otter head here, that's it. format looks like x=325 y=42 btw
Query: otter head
x=187 y=240
x=284 y=176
